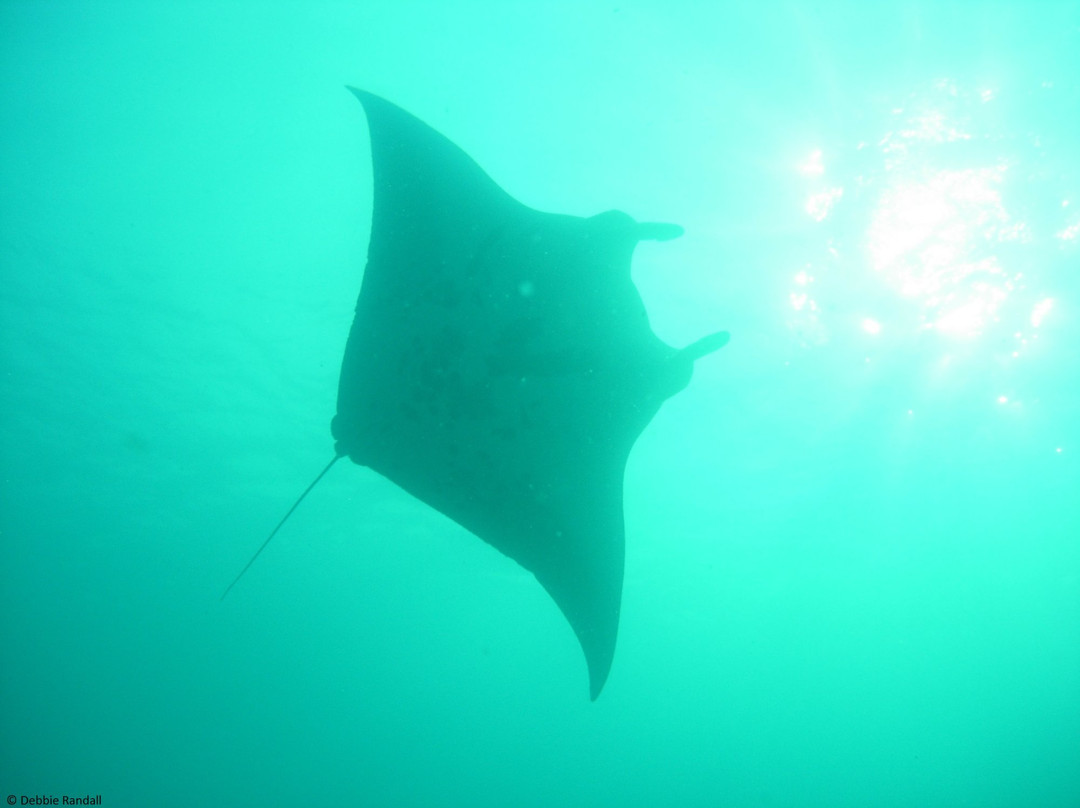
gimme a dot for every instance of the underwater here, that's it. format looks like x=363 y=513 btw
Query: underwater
x=711 y=408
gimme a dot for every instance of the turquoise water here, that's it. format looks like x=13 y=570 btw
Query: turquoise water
x=853 y=543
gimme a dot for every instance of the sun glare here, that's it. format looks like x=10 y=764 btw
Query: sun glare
x=1039 y=312
x=927 y=212
x=933 y=239
x=814 y=165
x=940 y=226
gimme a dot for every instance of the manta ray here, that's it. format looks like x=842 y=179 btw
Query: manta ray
x=501 y=366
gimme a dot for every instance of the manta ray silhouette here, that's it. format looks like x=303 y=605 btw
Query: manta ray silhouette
x=501 y=367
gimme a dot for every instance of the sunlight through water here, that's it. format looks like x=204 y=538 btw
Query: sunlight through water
x=947 y=217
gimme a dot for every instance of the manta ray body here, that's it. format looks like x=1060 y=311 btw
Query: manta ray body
x=501 y=366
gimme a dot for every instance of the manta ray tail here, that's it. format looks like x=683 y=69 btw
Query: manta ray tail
x=279 y=524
